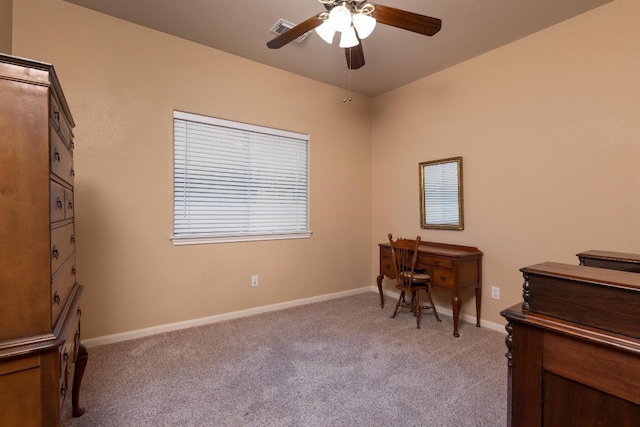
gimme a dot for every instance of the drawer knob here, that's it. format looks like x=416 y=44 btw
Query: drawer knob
x=70 y=205
x=63 y=391
x=443 y=279
x=56 y=298
x=436 y=262
x=73 y=238
x=56 y=115
x=73 y=270
x=59 y=203
x=65 y=356
x=56 y=155
x=72 y=173
x=55 y=253
x=78 y=312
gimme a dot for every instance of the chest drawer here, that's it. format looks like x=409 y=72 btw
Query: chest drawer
x=68 y=203
x=61 y=202
x=62 y=246
x=434 y=261
x=61 y=287
x=61 y=158
x=57 y=202
x=59 y=122
x=442 y=279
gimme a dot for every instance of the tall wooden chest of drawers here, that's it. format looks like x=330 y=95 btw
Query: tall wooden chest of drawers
x=41 y=358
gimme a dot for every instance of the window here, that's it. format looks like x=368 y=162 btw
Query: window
x=235 y=181
x=441 y=194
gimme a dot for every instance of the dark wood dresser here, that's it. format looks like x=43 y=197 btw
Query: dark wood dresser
x=611 y=260
x=41 y=358
x=574 y=348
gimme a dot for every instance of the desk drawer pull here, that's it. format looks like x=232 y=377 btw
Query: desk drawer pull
x=56 y=298
x=55 y=253
x=443 y=279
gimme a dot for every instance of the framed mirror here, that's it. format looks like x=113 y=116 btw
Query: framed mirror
x=441 y=201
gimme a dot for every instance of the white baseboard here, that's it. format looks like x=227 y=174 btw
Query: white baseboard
x=125 y=336
x=449 y=312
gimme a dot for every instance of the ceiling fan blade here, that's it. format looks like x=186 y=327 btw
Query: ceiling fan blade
x=355 y=56
x=407 y=20
x=295 y=32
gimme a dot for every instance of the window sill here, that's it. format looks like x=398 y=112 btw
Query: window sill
x=180 y=241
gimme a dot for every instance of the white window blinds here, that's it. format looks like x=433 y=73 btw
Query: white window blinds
x=235 y=181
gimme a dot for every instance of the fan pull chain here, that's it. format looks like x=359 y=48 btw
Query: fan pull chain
x=349 y=78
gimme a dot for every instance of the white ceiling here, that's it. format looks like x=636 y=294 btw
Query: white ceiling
x=394 y=57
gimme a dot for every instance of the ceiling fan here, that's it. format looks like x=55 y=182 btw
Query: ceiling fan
x=355 y=20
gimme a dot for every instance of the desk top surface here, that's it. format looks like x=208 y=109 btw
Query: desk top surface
x=444 y=249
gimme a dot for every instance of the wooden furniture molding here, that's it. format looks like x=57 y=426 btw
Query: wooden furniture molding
x=573 y=351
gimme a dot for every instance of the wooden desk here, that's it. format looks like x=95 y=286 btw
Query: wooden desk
x=611 y=260
x=452 y=268
x=574 y=348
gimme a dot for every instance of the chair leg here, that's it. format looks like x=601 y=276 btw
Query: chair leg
x=398 y=304
x=433 y=306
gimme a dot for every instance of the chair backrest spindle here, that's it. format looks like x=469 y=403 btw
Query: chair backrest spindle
x=404 y=254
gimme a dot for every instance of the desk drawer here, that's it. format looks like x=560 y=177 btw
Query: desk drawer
x=442 y=279
x=433 y=261
x=386 y=267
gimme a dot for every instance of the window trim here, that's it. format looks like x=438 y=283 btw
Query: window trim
x=240 y=237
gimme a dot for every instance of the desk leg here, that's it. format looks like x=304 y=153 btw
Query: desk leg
x=379 y=280
x=455 y=305
x=478 y=305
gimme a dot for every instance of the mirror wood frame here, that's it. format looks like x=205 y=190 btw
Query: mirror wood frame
x=423 y=166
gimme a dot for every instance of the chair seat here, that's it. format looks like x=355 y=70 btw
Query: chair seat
x=418 y=276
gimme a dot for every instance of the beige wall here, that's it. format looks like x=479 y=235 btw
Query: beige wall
x=122 y=82
x=549 y=131
x=6 y=25
x=547 y=126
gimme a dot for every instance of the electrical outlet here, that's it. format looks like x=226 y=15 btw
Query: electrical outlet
x=495 y=292
x=254 y=280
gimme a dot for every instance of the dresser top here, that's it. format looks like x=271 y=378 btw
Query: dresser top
x=592 y=275
x=611 y=256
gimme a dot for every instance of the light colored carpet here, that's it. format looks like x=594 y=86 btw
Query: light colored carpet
x=343 y=362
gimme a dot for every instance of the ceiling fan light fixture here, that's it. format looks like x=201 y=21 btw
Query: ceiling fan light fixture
x=326 y=31
x=364 y=24
x=340 y=18
x=348 y=38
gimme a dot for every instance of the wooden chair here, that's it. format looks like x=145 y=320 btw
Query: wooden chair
x=404 y=254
